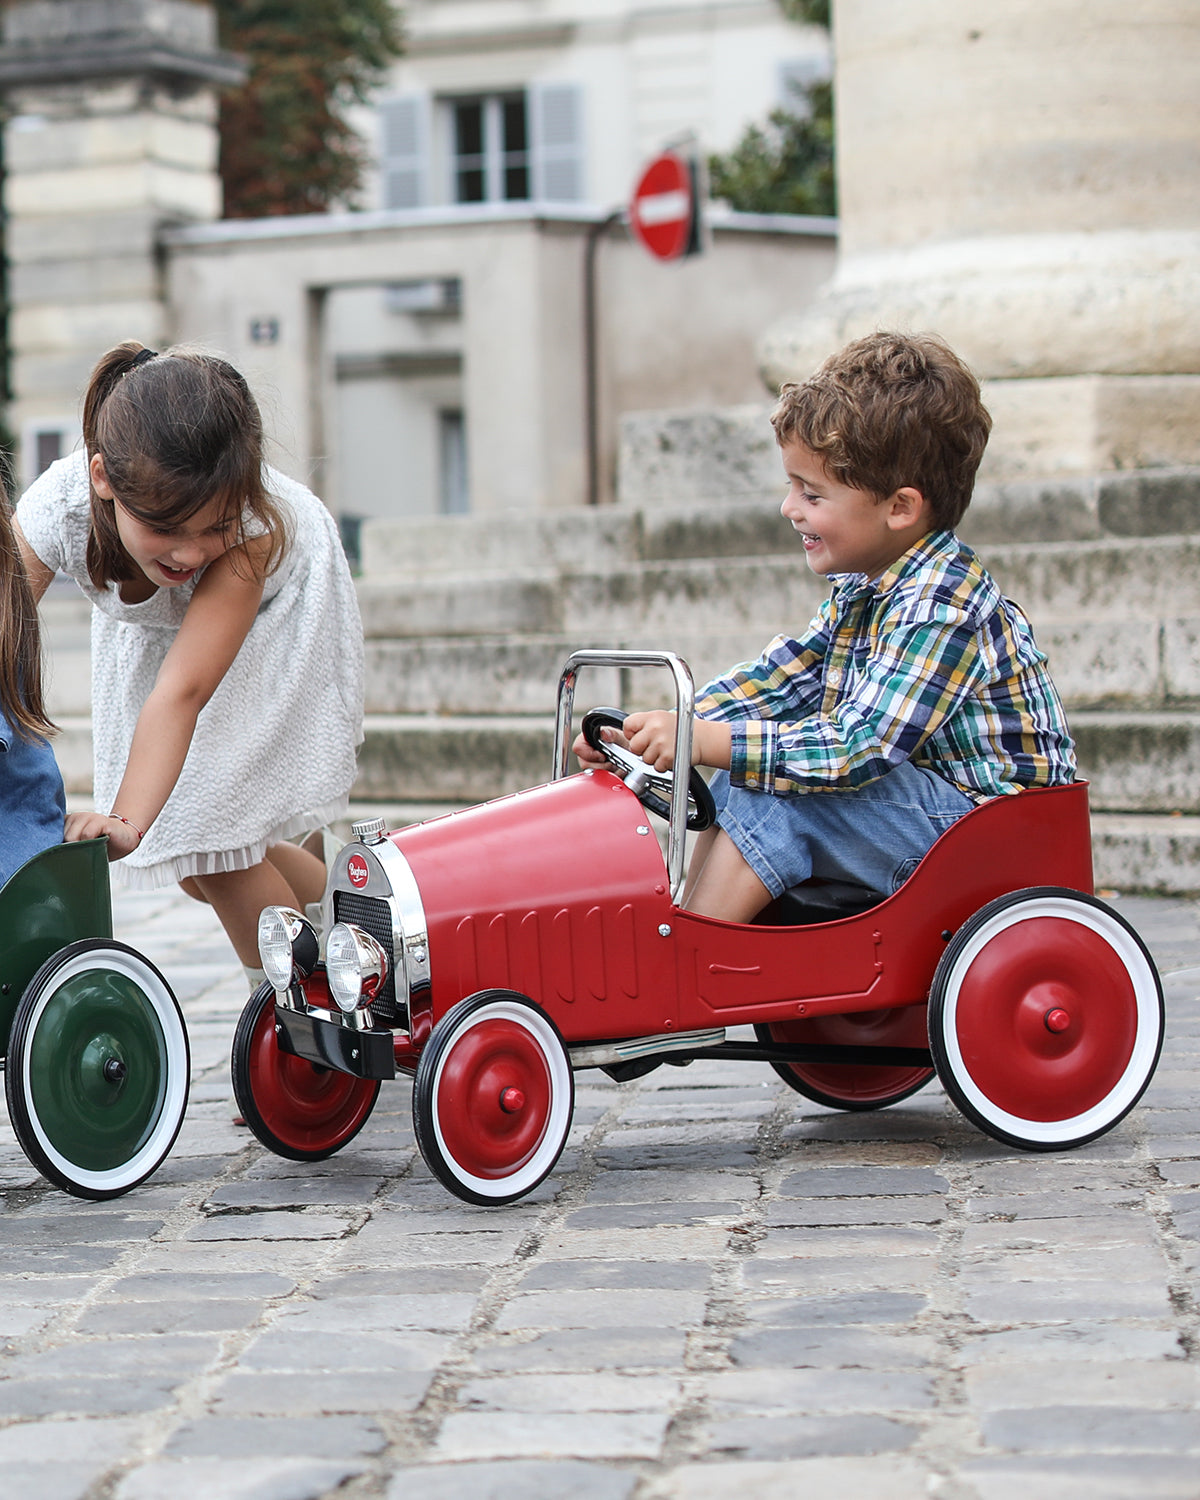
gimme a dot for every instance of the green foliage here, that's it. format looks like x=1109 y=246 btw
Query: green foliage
x=785 y=167
x=808 y=12
x=286 y=147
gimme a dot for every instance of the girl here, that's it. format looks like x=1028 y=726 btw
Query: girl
x=31 y=789
x=226 y=642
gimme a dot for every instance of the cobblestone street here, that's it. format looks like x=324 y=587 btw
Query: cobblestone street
x=722 y=1291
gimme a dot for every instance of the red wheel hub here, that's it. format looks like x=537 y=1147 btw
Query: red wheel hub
x=859 y=1083
x=1046 y=1020
x=309 y=1108
x=493 y=1098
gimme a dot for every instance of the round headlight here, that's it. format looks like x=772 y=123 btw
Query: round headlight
x=356 y=966
x=287 y=945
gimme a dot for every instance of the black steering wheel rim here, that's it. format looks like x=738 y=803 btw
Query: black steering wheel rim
x=702 y=810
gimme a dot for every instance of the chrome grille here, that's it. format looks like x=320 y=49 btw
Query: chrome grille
x=374 y=916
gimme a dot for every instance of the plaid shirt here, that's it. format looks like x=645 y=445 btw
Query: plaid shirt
x=930 y=663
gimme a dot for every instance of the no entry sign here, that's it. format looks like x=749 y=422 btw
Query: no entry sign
x=663 y=211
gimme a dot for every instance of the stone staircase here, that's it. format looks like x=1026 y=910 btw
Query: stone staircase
x=468 y=621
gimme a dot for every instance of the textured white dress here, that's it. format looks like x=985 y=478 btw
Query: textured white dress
x=273 y=754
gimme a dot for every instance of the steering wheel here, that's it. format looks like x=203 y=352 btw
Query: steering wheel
x=642 y=779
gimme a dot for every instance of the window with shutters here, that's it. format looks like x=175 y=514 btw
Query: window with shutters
x=507 y=146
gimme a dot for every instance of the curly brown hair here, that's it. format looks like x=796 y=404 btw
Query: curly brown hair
x=177 y=431
x=890 y=411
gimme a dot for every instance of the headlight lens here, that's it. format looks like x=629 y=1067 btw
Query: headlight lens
x=355 y=965
x=287 y=945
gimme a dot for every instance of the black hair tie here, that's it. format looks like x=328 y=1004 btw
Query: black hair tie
x=142 y=357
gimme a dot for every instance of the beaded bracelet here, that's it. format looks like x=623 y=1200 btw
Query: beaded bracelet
x=116 y=816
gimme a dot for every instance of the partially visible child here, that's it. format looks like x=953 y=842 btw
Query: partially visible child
x=917 y=691
x=226 y=643
x=31 y=789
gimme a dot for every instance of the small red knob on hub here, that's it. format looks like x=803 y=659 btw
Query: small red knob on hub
x=511 y=1100
x=1057 y=1019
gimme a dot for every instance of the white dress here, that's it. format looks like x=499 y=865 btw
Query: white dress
x=273 y=754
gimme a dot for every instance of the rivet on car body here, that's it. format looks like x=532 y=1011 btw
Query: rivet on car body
x=1057 y=1019
x=664 y=929
x=642 y=829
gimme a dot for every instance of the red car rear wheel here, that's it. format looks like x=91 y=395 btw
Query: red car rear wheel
x=294 y=1107
x=855 y=1086
x=1046 y=1018
x=493 y=1097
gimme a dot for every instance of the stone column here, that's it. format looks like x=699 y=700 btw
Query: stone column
x=1024 y=178
x=110 y=135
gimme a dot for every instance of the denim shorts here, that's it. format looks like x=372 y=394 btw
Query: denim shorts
x=873 y=835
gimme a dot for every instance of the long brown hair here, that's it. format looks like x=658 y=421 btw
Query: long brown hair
x=20 y=639
x=177 y=431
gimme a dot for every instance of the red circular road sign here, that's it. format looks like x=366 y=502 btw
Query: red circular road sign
x=663 y=206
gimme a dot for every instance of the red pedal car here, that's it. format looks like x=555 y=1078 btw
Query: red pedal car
x=491 y=953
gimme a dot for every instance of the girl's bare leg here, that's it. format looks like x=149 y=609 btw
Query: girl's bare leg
x=237 y=897
x=723 y=885
x=303 y=870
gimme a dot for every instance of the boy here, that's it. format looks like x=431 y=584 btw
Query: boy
x=916 y=692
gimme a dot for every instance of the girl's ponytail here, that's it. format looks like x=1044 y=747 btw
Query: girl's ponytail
x=109 y=370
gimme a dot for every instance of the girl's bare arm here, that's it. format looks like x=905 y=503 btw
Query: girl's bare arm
x=218 y=618
x=39 y=575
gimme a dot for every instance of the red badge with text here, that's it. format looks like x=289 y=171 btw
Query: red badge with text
x=356 y=868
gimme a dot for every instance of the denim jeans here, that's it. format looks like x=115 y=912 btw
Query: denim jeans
x=873 y=835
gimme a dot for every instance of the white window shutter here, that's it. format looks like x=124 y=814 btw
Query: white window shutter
x=556 y=124
x=404 y=151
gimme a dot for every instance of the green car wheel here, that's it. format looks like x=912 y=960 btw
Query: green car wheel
x=97 y=1070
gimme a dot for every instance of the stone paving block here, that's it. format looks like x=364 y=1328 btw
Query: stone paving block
x=835 y=1274
x=619 y=1154
x=1050 y=1173
x=824 y=1346
x=636 y=1308
x=336 y=1437
x=1112 y=1477
x=96 y=1442
x=792 y=1436
x=1090 y=1203
x=607 y=1216
x=805 y=1391
x=284 y=1350
x=410 y=1280
x=1079 y=1340
x=586 y=1348
x=330 y=1317
x=208 y=1315
x=695 y=1243
x=671 y=1187
x=350 y=1391
x=271 y=1226
x=269 y=1193
x=1047 y=1301
x=238 y=1479
x=1064 y=1263
x=834 y=1478
x=595 y=1391
x=175 y=1286
x=82 y=1396
x=820 y=1242
x=843 y=1211
x=393 y=1238
x=1113 y=1231
x=518 y=1480
x=75 y=1225
x=1129 y=1383
x=1093 y=1429
x=475 y=1435
x=862 y=1182
x=604 y=1275
x=837 y=1310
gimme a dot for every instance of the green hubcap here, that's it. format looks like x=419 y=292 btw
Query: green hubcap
x=98 y=1069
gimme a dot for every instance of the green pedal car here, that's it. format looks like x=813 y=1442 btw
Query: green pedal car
x=96 y=1064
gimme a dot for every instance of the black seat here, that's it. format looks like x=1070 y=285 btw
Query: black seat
x=819 y=901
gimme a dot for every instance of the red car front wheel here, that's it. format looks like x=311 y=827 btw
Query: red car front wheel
x=295 y=1108
x=493 y=1097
